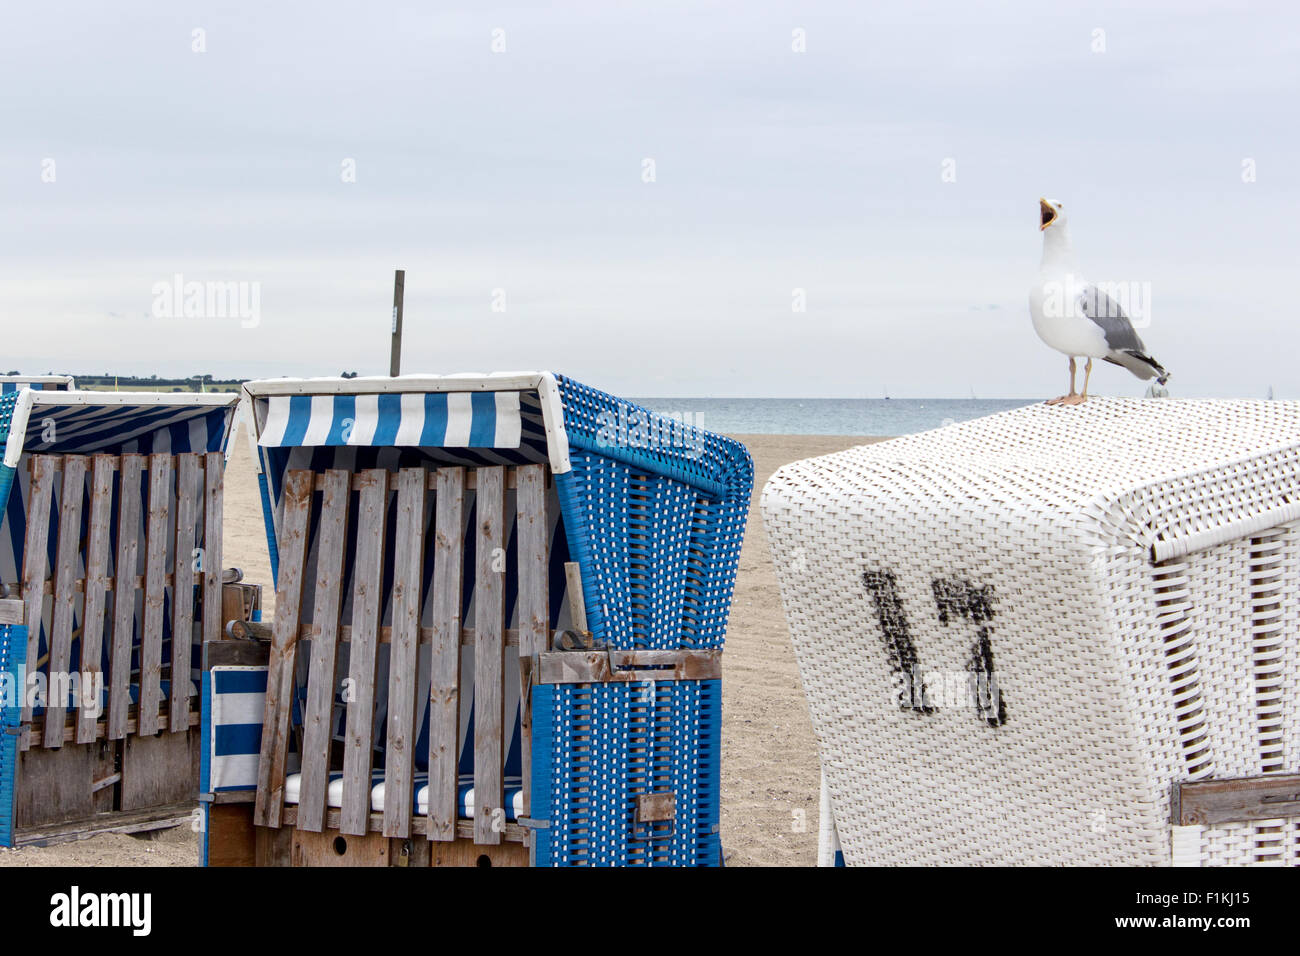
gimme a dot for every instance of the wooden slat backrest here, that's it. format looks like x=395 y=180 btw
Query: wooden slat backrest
x=318 y=716
x=368 y=579
x=170 y=539
x=444 y=676
x=65 y=575
x=489 y=650
x=98 y=543
x=292 y=542
x=443 y=543
x=403 y=655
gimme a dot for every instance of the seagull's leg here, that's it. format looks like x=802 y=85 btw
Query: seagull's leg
x=1065 y=399
x=1073 y=399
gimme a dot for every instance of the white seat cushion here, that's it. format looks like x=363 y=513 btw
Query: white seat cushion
x=465 y=794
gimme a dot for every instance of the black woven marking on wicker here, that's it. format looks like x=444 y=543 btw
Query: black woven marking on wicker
x=957 y=597
x=903 y=661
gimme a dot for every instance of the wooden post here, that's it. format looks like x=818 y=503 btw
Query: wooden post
x=399 y=290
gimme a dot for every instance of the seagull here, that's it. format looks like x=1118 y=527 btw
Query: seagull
x=1077 y=318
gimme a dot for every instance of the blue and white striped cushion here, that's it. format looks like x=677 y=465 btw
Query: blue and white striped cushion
x=238 y=699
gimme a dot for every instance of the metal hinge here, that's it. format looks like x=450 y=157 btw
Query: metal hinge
x=1236 y=800
x=652 y=808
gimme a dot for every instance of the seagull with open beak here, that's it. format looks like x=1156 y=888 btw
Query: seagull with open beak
x=1077 y=318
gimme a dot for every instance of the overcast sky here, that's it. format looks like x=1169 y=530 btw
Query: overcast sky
x=516 y=178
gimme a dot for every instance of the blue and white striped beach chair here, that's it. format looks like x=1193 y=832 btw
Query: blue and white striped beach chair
x=437 y=543
x=111 y=508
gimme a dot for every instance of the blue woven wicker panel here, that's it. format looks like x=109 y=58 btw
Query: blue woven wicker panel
x=13 y=654
x=596 y=748
x=656 y=513
x=639 y=532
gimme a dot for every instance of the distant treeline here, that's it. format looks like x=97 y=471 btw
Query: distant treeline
x=155 y=383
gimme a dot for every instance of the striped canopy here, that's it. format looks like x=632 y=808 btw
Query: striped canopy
x=79 y=422
x=411 y=419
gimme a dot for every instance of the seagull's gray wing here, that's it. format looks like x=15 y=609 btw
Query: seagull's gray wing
x=1107 y=313
x=1126 y=348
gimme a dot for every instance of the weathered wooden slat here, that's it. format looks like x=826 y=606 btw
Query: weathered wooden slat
x=408 y=570
x=444 y=678
x=31 y=736
x=236 y=654
x=368 y=579
x=279 y=676
x=11 y=611
x=512 y=833
x=322 y=671
x=110 y=583
x=489 y=649
x=189 y=490
x=213 y=516
x=577 y=600
x=155 y=566
x=246 y=630
x=431 y=481
x=97 y=554
x=127 y=562
x=65 y=572
x=534 y=560
x=534 y=602
x=36 y=558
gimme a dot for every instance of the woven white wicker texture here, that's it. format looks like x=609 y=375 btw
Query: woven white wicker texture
x=1014 y=633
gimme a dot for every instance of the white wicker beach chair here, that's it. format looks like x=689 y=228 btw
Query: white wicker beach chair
x=1054 y=635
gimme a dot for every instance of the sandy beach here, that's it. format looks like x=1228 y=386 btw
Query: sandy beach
x=770 y=766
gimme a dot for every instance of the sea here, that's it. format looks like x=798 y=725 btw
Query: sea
x=827 y=416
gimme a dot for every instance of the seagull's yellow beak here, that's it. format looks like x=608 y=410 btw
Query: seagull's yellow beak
x=1047 y=212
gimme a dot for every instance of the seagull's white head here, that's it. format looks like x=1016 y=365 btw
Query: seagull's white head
x=1050 y=213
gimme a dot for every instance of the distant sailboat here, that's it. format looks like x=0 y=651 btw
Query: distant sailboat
x=886 y=391
x=1270 y=393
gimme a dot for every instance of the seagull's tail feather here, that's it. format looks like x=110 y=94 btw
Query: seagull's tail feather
x=1140 y=364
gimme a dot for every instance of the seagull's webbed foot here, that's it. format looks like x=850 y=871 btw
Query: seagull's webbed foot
x=1074 y=398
